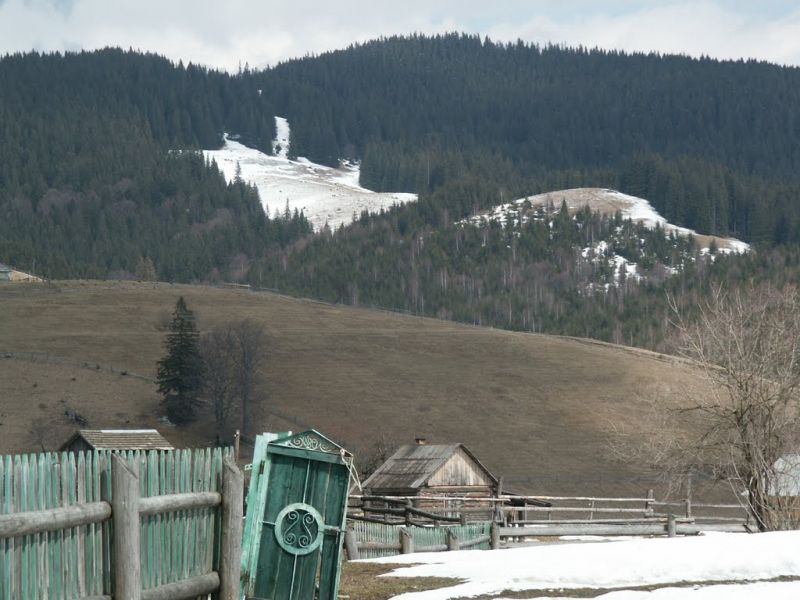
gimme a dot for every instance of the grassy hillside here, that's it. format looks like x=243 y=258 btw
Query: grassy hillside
x=534 y=408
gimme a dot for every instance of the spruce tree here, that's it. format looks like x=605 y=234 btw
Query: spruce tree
x=180 y=372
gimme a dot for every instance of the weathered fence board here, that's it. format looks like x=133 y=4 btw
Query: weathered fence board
x=62 y=549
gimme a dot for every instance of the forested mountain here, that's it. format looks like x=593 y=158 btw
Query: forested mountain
x=92 y=179
x=99 y=176
x=714 y=145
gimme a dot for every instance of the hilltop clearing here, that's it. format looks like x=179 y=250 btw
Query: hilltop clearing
x=606 y=202
x=536 y=409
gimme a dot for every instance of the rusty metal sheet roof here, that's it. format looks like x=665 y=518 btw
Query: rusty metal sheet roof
x=122 y=439
x=413 y=465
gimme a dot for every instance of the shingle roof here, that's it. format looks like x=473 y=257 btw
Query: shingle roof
x=122 y=439
x=413 y=465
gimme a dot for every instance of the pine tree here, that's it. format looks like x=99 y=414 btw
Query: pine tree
x=180 y=372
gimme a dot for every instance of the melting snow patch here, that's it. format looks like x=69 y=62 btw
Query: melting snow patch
x=323 y=194
x=631 y=563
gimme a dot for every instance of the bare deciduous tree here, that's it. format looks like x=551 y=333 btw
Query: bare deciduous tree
x=232 y=355
x=746 y=344
x=250 y=348
x=218 y=349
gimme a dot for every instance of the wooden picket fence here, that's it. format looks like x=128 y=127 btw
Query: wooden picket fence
x=374 y=540
x=150 y=525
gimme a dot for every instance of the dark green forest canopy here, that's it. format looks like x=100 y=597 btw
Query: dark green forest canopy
x=715 y=145
x=94 y=179
x=99 y=173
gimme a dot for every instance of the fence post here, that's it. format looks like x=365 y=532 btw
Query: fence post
x=498 y=512
x=125 y=515
x=351 y=545
x=672 y=529
x=452 y=541
x=406 y=541
x=494 y=542
x=648 y=504
x=689 y=494
x=230 y=558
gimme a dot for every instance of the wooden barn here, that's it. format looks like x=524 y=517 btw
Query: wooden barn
x=427 y=474
x=116 y=439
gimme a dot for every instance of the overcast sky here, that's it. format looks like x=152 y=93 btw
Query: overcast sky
x=228 y=33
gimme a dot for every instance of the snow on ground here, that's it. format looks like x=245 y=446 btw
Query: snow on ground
x=754 y=591
x=324 y=194
x=712 y=558
x=280 y=145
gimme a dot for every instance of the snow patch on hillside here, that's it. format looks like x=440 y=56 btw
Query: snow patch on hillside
x=711 y=559
x=544 y=208
x=280 y=145
x=323 y=194
x=604 y=201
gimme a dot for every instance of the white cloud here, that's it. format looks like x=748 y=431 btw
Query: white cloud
x=693 y=28
x=263 y=32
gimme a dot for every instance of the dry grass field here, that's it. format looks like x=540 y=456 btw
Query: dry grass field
x=536 y=409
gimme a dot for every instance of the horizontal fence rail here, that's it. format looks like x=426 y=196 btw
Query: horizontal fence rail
x=152 y=525
x=378 y=525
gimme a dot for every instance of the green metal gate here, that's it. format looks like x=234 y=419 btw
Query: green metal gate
x=295 y=522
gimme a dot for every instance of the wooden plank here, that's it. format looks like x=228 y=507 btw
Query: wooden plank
x=231 y=543
x=192 y=587
x=406 y=541
x=256 y=506
x=351 y=545
x=305 y=454
x=291 y=472
x=452 y=541
x=599 y=529
x=149 y=486
x=380 y=546
x=80 y=547
x=6 y=547
x=318 y=493
x=475 y=542
x=54 y=519
x=56 y=537
x=175 y=502
x=125 y=506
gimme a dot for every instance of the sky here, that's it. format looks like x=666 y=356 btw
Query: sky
x=260 y=33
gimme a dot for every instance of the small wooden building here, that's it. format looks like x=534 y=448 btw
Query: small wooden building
x=116 y=439
x=430 y=473
x=12 y=275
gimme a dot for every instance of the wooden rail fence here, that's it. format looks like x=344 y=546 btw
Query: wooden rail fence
x=384 y=530
x=130 y=526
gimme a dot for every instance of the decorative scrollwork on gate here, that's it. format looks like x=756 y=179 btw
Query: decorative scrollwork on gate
x=299 y=528
x=311 y=442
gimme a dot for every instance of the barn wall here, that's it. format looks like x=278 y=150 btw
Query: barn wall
x=460 y=470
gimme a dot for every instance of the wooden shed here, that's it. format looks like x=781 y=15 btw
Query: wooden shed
x=116 y=439
x=428 y=473
x=12 y=275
